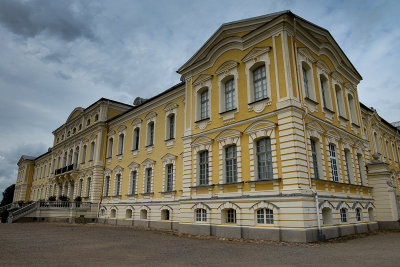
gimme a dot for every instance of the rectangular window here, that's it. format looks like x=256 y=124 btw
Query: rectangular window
x=79 y=191
x=231 y=216
x=136 y=135
x=204 y=105
x=88 y=184
x=264 y=159
x=314 y=158
x=359 y=161
x=149 y=173
x=305 y=80
x=203 y=168
x=230 y=164
x=107 y=186
x=229 y=95
x=201 y=215
x=151 y=134
x=332 y=157
x=347 y=161
x=171 y=126
x=133 y=183
x=83 y=156
x=260 y=83
x=118 y=185
x=170 y=177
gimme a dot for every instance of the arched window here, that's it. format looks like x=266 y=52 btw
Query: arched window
x=88 y=122
x=91 y=155
x=343 y=215
x=110 y=147
x=201 y=215
x=388 y=150
x=230 y=164
x=203 y=168
x=84 y=154
x=265 y=216
x=107 y=186
x=121 y=144
x=65 y=159
x=371 y=214
x=326 y=99
x=230 y=95
x=71 y=152
x=264 y=159
x=332 y=157
x=113 y=213
x=88 y=184
x=136 y=138
x=358 y=215
x=128 y=214
x=326 y=216
x=169 y=179
x=339 y=101
x=117 y=191
x=394 y=152
x=150 y=133
x=229 y=215
x=133 y=182
x=96 y=117
x=170 y=127
x=165 y=215
x=76 y=156
x=360 y=162
x=352 y=108
x=143 y=214
x=260 y=83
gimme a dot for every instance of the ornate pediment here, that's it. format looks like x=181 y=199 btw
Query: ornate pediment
x=202 y=79
x=314 y=125
x=260 y=125
x=168 y=158
x=306 y=54
x=75 y=113
x=170 y=106
x=118 y=169
x=231 y=133
x=202 y=140
x=133 y=165
x=226 y=66
x=323 y=67
x=256 y=52
x=151 y=115
x=337 y=77
x=136 y=122
x=148 y=162
x=111 y=133
x=121 y=128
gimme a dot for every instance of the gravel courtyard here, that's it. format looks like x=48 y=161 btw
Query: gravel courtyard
x=89 y=245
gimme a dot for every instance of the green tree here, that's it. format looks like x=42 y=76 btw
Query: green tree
x=8 y=195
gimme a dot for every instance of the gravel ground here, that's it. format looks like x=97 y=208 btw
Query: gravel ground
x=65 y=245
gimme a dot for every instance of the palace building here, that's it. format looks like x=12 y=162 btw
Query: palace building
x=263 y=138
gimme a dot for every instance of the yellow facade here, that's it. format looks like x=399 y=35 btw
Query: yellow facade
x=264 y=139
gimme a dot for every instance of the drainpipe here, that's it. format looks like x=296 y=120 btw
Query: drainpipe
x=321 y=237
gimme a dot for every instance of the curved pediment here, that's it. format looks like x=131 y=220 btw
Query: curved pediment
x=202 y=140
x=118 y=169
x=260 y=125
x=148 y=162
x=201 y=79
x=255 y=52
x=170 y=106
x=314 y=125
x=151 y=115
x=231 y=133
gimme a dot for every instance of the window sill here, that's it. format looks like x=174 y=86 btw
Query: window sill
x=201 y=120
x=203 y=186
x=132 y=195
x=265 y=181
x=147 y=194
x=259 y=105
x=329 y=110
x=227 y=184
x=227 y=111
x=169 y=143
x=168 y=192
x=343 y=118
x=312 y=101
x=355 y=125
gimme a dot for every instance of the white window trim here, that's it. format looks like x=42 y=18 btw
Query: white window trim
x=171 y=108
x=169 y=159
x=255 y=58
x=225 y=72
x=148 y=163
x=201 y=144
x=203 y=82
x=133 y=167
x=150 y=117
x=137 y=123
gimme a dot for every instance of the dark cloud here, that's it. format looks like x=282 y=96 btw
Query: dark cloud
x=61 y=19
x=9 y=159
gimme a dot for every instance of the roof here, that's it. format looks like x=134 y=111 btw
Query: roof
x=382 y=119
x=148 y=100
x=262 y=20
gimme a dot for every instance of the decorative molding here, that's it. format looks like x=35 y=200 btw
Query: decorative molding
x=255 y=53
x=226 y=67
x=202 y=79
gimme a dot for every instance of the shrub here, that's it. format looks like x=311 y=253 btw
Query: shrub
x=78 y=199
x=52 y=198
x=4 y=215
x=63 y=198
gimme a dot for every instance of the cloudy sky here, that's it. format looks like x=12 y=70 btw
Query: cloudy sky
x=57 y=55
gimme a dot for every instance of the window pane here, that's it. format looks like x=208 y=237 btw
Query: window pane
x=229 y=95
x=259 y=83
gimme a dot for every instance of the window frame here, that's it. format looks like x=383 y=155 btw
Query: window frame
x=200 y=215
x=269 y=170
x=231 y=175
x=265 y=216
x=203 y=178
x=333 y=162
